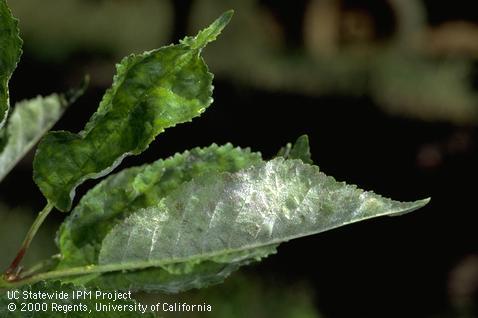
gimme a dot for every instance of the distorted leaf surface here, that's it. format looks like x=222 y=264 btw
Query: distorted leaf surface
x=123 y=193
x=150 y=92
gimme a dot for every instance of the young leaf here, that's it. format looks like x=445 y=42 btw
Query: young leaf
x=10 y=51
x=28 y=122
x=218 y=222
x=151 y=92
x=116 y=197
x=300 y=150
x=52 y=307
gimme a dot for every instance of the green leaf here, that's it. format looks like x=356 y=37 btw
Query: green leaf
x=300 y=150
x=52 y=307
x=28 y=122
x=151 y=92
x=10 y=51
x=80 y=236
x=212 y=225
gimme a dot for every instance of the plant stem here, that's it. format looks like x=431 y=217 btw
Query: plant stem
x=12 y=271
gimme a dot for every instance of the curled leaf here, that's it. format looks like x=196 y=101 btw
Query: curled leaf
x=150 y=92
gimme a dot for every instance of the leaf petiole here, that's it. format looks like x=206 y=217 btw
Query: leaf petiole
x=12 y=272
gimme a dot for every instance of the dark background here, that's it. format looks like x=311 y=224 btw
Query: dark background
x=419 y=265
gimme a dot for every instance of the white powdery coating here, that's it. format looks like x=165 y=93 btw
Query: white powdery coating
x=227 y=214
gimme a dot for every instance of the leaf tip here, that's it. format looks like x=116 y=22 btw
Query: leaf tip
x=226 y=17
x=73 y=94
x=222 y=22
x=423 y=202
x=210 y=33
x=413 y=206
x=304 y=138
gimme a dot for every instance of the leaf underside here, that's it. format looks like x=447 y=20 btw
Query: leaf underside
x=10 y=52
x=150 y=92
x=212 y=225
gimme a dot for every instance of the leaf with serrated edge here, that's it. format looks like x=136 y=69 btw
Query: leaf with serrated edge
x=151 y=92
x=52 y=307
x=29 y=120
x=81 y=234
x=299 y=150
x=229 y=217
x=10 y=52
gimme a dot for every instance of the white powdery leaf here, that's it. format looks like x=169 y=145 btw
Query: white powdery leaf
x=229 y=215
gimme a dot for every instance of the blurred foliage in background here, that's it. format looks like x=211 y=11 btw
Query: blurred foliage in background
x=317 y=47
x=246 y=295
x=387 y=51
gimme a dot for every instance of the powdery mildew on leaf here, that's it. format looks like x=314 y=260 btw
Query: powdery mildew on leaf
x=80 y=236
x=228 y=216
